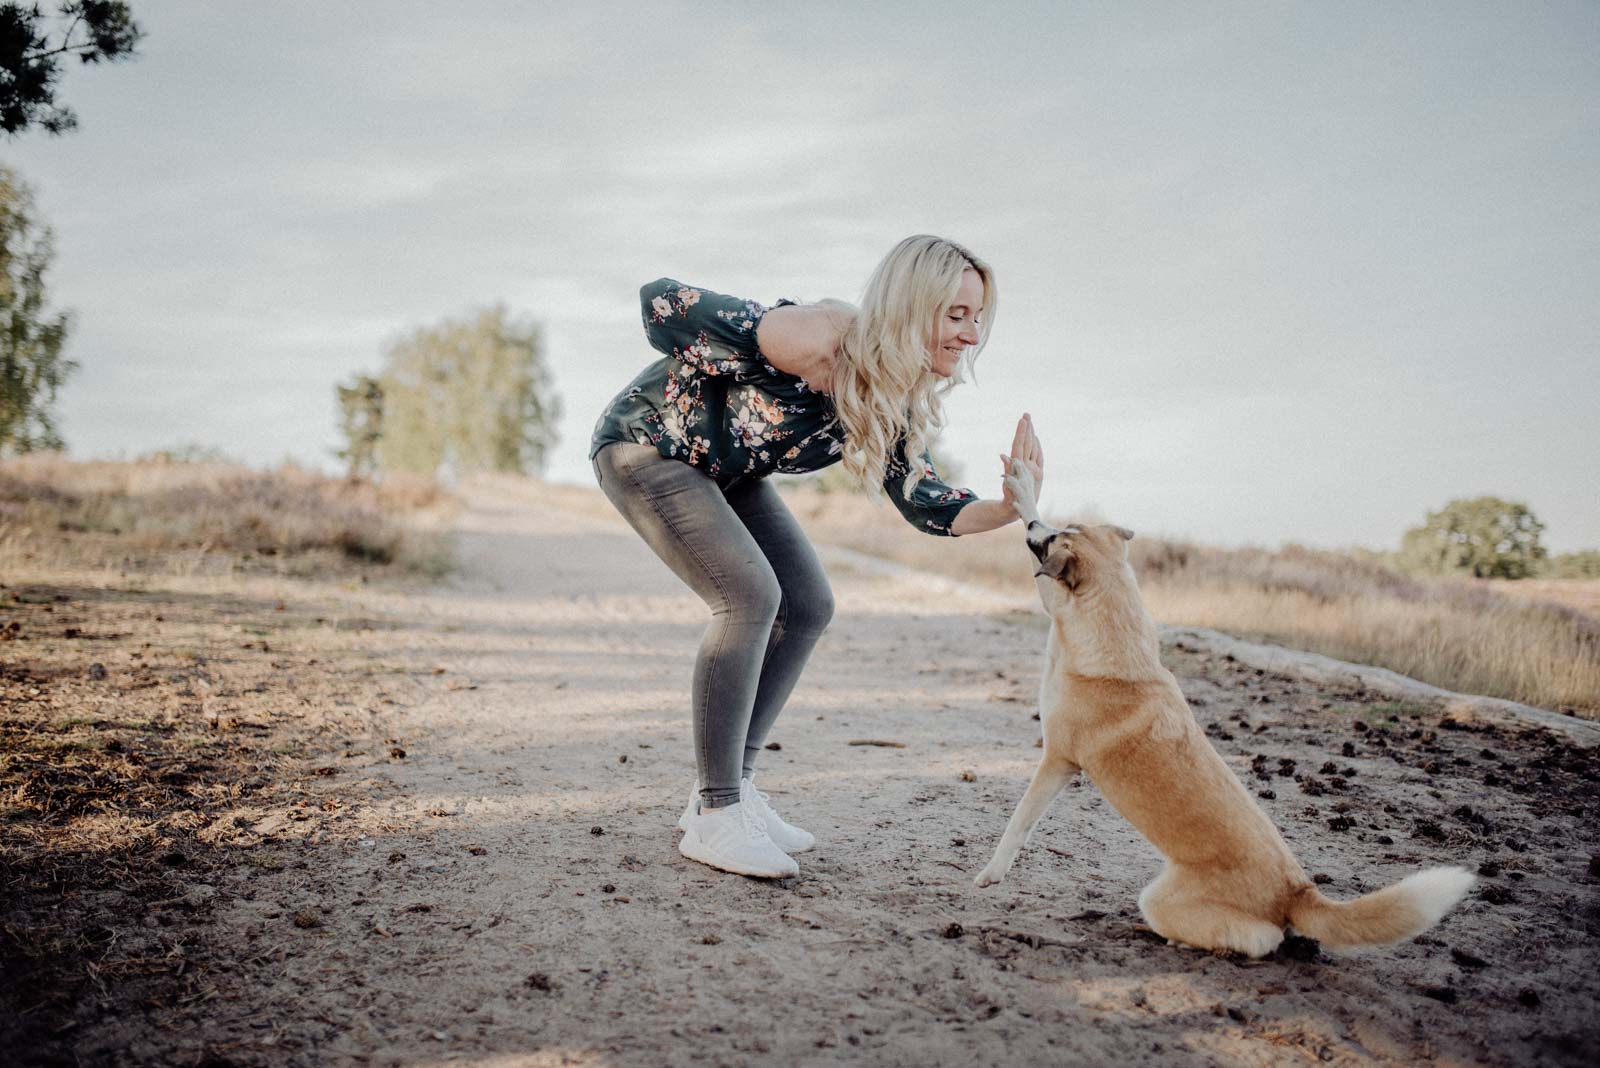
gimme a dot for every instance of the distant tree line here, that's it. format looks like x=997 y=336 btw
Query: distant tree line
x=463 y=396
x=1488 y=537
x=1584 y=564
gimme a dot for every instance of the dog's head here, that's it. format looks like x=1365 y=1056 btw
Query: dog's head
x=1079 y=557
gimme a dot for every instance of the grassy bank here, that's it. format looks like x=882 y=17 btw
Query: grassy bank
x=162 y=516
x=1503 y=639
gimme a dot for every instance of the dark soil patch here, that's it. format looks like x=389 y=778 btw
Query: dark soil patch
x=135 y=772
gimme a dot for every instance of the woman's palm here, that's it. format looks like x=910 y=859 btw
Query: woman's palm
x=1025 y=447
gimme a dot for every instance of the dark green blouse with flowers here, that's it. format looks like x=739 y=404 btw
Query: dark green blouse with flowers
x=715 y=403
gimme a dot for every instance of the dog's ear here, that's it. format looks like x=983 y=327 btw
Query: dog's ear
x=1060 y=563
x=1124 y=533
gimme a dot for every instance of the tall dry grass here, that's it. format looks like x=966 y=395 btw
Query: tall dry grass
x=1580 y=593
x=1465 y=636
x=56 y=508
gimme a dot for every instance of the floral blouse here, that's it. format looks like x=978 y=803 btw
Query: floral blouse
x=715 y=403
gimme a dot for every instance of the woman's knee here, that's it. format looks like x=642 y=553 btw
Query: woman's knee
x=810 y=609
x=751 y=595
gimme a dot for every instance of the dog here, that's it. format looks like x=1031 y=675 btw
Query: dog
x=1108 y=707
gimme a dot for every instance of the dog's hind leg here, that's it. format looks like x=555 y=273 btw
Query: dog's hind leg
x=1181 y=917
x=1053 y=774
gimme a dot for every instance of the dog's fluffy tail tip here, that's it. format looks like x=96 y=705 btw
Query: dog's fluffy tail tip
x=1405 y=909
x=1438 y=890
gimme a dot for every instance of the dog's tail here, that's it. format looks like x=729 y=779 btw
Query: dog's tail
x=1407 y=908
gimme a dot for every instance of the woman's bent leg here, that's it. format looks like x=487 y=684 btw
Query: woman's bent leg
x=685 y=519
x=803 y=614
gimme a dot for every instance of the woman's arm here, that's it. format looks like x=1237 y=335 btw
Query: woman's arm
x=702 y=328
x=981 y=515
x=799 y=340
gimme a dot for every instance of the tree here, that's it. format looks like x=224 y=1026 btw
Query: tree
x=29 y=58
x=31 y=366
x=361 y=423
x=1486 y=536
x=465 y=396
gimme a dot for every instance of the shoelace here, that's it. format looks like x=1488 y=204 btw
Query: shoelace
x=766 y=801
x=766 y=805
x=755 y=822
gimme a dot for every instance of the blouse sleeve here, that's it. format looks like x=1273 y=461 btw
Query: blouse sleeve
x=709 y=331
x=933 y=505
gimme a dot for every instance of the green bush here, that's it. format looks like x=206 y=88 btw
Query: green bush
x=1482 y=536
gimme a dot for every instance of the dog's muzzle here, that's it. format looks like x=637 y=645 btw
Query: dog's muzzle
x=1039 y=536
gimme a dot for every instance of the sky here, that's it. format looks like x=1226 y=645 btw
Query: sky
x=1268 y=272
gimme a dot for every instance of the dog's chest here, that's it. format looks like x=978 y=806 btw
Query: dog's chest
x=1052 y=680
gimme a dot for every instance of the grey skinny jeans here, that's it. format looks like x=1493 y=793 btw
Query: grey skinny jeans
x=743 y=554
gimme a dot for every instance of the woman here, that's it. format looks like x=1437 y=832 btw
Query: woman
x=744 y=391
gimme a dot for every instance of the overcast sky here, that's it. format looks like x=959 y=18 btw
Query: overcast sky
x=1269 y=272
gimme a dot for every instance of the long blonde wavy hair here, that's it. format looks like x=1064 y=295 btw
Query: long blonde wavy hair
x=882 y=384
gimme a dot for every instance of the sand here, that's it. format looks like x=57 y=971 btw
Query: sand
x=509 y=892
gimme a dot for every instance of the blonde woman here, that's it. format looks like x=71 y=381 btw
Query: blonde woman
x=743 y=391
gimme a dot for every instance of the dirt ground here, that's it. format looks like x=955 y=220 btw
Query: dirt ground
x=410 y=826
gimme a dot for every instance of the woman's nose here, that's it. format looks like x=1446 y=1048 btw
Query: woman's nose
x=968 y=335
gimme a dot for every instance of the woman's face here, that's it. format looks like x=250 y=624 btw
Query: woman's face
x=958 y=329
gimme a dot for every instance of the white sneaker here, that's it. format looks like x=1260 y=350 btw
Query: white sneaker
x=786 y=836
x=735 y=839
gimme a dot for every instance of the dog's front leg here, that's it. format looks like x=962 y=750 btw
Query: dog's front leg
x=1019 y=480
x=1053 y=774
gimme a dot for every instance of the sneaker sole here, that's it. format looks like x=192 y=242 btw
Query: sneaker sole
x=690 y=847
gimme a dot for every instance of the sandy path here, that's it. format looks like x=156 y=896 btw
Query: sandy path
x=512 y=894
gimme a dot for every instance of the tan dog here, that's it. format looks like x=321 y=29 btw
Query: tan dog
x=1108 y=707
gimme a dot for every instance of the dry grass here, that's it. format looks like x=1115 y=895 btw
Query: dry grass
x=1581 y=594
x=213 y=516
x=1471 y=637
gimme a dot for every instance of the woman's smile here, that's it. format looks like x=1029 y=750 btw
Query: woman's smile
x=958 y=328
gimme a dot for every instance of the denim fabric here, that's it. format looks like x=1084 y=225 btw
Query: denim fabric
x=741 y=551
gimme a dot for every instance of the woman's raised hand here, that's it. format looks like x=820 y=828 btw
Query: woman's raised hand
x=1024 y=447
